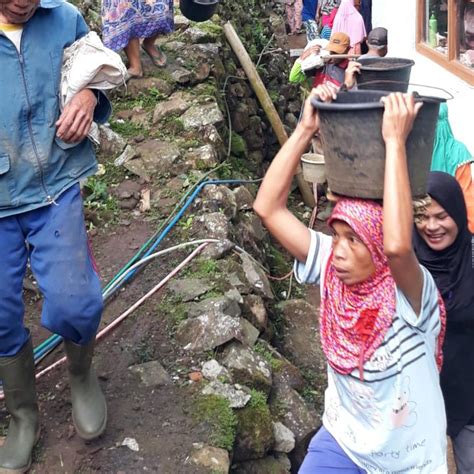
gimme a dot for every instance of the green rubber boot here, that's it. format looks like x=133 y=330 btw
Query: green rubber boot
x=18 y=376
x=89 y=409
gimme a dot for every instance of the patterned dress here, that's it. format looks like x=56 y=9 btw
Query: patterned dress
x=123 y=20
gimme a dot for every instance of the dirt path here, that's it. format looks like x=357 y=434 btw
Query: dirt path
x=158 y=419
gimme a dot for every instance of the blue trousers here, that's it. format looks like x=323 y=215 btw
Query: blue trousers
x=325 y=456
x=54 y=239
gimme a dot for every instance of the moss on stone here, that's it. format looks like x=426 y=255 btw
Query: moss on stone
x=238 y=146
x=211 y=28
x=216 y=412
x=254 y=430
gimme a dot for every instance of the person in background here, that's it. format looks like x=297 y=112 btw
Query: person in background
x=445 y=246
x=309 y=19
x=294 y=10
x=366 y=12
x=377 y=42
x=381 y=317
x=451 y=156
x=44 y=154
x=327 y=10
x=336 y=71
x=126 y=22
x=348 y=20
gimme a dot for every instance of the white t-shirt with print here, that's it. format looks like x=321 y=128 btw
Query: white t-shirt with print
x=393 y=421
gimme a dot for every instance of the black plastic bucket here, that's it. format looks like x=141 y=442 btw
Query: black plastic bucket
x=385 y=74
x=198 y=10
x=354 y=149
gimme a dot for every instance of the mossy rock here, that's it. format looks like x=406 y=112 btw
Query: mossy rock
x=254 y=429
x=216 y=413
x=238 y=146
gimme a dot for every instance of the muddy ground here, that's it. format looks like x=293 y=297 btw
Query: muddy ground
x=160 y=420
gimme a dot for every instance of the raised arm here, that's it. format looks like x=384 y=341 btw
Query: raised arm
x=271 y=201
x=400 y=113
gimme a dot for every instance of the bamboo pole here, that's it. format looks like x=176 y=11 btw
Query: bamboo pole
x=266 y=103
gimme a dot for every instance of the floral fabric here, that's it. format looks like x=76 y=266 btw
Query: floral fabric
x=123 y=20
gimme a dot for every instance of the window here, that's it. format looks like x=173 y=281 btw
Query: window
x=445 y=33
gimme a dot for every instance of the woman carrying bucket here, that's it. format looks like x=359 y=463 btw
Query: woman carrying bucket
x=445 y=246
x=382 y=318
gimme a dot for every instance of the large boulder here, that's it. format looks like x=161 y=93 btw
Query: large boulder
x=288 y=405
x=152 y=374
x=143 y=85
x=213 y=226
x=247 y=367
x=243 y=198
x=208 y=331
x=111 y=143
x=176 y=105
x=300 y=341
x=254 y=436
x=155 y=156
x=214 y=328
x=237 y=395
x=222 y=303
x=255 y=311
x=202 y=158
x=212 y=370
x=284 y=438
x=256 y=277
x=278 y=464
x=201 y=115
x=215 y=460
x=218 y=198
x=188 y=289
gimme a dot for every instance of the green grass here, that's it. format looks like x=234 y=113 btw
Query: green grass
x=127 y=129
x=202 y=268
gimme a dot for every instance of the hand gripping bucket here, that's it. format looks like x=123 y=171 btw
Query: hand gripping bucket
x=354 y=149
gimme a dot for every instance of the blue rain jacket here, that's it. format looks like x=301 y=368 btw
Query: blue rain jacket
x=36 y=166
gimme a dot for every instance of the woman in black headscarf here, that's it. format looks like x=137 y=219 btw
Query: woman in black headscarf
x=445 y=246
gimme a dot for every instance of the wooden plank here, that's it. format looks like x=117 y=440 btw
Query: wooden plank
x=266 y=102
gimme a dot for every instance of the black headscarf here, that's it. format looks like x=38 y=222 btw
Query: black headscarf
x=452 y=268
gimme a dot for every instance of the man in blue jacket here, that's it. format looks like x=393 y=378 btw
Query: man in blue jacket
x=43 y=155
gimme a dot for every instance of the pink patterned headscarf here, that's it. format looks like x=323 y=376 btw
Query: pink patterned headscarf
x=355 y=319
x=349 y=21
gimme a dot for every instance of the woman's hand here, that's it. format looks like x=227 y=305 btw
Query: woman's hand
x=310 y=119
x=400 y=114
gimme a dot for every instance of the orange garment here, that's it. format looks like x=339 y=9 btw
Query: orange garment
x=464 y=178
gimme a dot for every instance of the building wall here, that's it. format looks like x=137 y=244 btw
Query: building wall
x=399 y=17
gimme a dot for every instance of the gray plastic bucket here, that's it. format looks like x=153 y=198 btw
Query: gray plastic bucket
x=385 y=74
x=354 y=149
x=198 y=10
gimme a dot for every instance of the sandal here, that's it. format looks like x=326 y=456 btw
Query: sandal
x=159 y=59
x=129 y=75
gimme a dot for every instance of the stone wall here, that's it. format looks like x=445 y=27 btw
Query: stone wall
x=176 y=124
